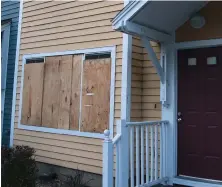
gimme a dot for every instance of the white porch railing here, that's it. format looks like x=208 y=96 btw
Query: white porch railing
x=136 y=156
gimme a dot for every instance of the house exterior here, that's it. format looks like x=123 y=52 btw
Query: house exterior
x=182 y=148
x=9 y=24
x=78 y=75
x=68 y=30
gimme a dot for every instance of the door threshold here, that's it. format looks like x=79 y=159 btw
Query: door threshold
x=196 y=182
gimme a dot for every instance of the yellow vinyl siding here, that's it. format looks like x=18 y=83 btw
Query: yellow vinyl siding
x=145 y=83
x=151 y=109
x=55 y=26
x=136 y=81
x=146 y=88
x=211 y=30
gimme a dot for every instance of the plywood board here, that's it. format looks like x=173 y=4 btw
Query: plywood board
x=65 y=72
x=32 y=94
x=76 y=91
x=51 y=93
x=96 y=95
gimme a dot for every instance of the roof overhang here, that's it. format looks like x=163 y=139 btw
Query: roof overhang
x=156 y=20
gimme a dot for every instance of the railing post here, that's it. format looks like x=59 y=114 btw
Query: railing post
x=124 y=155
x=107 y=160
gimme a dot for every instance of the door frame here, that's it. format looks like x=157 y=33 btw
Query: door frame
x=172 y=92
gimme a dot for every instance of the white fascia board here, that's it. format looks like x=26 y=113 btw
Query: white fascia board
x=139 y=30
x=122 y=22
x=127 y=13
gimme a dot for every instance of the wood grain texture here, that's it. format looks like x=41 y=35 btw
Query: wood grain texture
x=65 y=74
x=32 y=94
x=76 y=90
x=51 y=94
x=96 y=95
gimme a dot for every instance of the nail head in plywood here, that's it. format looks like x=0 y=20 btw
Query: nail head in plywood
x=32 y=94
x=76 y=90
x=96 y=80
x=51 y=93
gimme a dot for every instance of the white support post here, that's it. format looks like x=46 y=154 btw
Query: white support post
x=153 y=57
x=169 y=112
x=124 y=155
x=107 y=160
x=163 y=86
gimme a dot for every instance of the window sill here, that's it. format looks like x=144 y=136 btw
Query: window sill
x=61 y=131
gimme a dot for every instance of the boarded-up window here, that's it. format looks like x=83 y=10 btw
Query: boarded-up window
x=68 y=93
x=96 y=95
x=32 y=94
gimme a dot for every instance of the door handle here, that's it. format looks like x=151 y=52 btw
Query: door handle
x=179 y=119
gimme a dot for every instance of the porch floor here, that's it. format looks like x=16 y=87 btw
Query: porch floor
x=175 y=185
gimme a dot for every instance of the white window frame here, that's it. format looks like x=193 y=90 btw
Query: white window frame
x=5 y=49
x=109 y=49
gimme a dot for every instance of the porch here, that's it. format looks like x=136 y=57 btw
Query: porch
x=145 y=153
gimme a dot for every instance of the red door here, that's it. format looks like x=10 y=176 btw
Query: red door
x=200 y=113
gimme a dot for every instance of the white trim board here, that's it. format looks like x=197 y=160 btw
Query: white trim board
x=109 y=49
x=173 y=94
x=126 y=78
x=78 y=51
x=129 y=10
x=61 y=131
x=188 y=181
x=198 y=44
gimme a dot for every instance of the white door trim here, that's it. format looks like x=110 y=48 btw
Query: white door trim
x=198 y=44
x=170 y=109
x=171 y=112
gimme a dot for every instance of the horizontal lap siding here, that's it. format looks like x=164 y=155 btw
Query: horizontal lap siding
x=151 y=107
x=145 y=104
x=136 y=80
x=9 y=10
x=60 y=26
